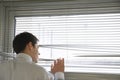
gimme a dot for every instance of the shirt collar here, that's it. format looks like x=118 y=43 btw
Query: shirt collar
x=23 y=57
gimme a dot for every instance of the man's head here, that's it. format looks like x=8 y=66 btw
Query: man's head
x=26 y=43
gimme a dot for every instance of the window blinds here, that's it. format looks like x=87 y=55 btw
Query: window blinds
x=88 y=41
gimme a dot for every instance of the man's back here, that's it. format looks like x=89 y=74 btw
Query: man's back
x=22 y=69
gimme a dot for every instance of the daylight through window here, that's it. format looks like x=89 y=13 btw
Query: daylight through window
x=86 y=42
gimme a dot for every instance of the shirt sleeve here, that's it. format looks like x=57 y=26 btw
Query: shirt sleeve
x=59 y=76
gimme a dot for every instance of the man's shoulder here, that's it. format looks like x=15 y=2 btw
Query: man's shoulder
x=36 y=67
x=39 y=70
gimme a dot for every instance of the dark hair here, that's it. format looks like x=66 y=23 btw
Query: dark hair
x=21 y=40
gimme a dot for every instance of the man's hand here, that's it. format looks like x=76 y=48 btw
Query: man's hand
x=58 y=66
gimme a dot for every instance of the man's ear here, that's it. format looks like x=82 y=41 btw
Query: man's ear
x=30 y=46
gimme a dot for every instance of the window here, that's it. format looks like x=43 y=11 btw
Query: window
x=89 y=43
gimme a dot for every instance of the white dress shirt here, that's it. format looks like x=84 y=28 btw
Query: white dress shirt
x=22 y=68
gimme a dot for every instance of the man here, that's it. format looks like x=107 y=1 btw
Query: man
x=23 y=67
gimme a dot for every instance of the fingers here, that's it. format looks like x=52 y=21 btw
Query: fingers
x=52 y=66
x=62 y=60
x=59 y=61
x=58 y=66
